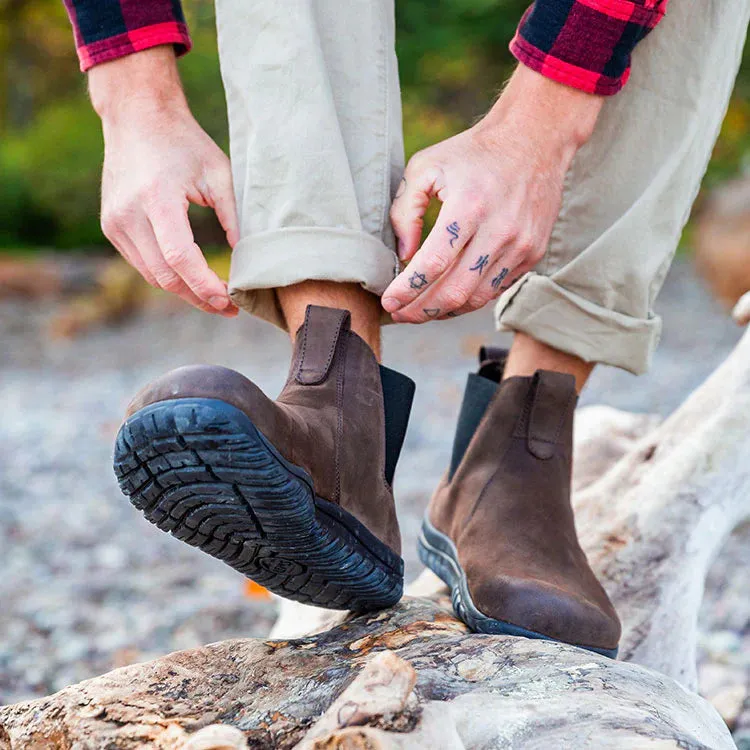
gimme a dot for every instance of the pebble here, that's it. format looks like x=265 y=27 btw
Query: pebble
x=729 y=703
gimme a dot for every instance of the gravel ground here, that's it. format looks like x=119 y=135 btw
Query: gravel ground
x=89 y=585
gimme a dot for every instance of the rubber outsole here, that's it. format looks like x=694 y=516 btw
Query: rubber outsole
x=199 y=469
x=439 y=554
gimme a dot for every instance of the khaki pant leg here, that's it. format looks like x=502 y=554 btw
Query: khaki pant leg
x=316 y=143
x=630 y=190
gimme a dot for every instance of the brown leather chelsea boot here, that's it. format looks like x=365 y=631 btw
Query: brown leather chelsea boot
x=293 y=493
x=500 y=530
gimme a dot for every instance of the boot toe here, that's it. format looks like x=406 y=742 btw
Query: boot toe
x=549 y=611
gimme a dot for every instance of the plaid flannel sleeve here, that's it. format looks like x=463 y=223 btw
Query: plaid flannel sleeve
x=108 y=29
x=585 y=44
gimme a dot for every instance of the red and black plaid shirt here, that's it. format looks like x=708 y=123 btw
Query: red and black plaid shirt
x=581 y=43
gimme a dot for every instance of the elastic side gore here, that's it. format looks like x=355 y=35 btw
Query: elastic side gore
x=477 y=396
x=398 y=395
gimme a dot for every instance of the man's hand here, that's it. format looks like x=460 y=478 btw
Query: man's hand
x=500 y=183
x=157 y=160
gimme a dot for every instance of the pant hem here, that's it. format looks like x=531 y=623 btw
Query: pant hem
x=537 y=306
x=263 y=262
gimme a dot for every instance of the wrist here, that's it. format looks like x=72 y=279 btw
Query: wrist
x=122 y=88
x=557 y=114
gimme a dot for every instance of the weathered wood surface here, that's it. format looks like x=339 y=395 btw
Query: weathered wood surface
x=474 y=691
x=654 y=503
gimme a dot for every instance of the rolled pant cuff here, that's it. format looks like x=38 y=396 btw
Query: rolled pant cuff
x=263 y=262
x=537 y=306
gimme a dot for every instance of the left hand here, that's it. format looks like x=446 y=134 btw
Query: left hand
x=500 y=183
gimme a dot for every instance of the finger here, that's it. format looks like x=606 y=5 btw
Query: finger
x=130 y=253
x=134 y=258
x=219 y=195
x=420 y=183
x=443 y=245
x=468 y=283
x=175 y=240
x=452 y=291
x=114 y=232
x=499 y=278
x=166 y=277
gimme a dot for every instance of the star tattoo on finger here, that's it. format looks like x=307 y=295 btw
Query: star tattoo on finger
x=417 y=280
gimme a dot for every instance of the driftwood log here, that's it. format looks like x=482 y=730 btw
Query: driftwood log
x=654 y=503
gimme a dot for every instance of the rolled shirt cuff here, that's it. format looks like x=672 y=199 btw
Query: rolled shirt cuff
x=585 y=44
x=134 y=40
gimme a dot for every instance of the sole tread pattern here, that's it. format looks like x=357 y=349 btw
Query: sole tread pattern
x=199 y=470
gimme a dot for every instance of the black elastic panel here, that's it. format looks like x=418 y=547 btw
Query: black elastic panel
x=398 y=394
x=477 y=397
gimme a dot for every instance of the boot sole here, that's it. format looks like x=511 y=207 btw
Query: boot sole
x=199 y=469
x=439 y=554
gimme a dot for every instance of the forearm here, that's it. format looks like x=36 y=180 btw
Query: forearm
x=150 y=78
x=546 y=116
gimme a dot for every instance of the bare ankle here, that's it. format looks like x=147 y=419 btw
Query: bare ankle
x=363 y=306
x=527 y=355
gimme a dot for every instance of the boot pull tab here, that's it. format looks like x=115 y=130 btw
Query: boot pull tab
x=320 y=335
x=554 y=392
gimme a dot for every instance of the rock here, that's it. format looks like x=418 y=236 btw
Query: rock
x=728 y=702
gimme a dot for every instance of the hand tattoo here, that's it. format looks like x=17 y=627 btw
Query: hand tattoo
x=453 y=230
x=481 y=263
x=431 y=312
x=499 y=278
x=417 y=280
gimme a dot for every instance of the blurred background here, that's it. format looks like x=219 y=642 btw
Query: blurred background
x=453 y=58
x=86 y=584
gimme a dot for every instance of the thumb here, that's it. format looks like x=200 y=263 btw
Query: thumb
x=420 y=183
x=218 y=193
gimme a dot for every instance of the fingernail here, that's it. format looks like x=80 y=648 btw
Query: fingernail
x=401 y=249
x=219 y=302
x=390 y=304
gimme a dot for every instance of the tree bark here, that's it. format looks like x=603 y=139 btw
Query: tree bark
x=654 y=503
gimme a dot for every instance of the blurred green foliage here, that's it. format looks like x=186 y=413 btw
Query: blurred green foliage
x=453 y=56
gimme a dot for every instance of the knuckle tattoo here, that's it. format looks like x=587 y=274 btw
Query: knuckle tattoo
x=480 y=264
x=453 y=229
x=497 y=281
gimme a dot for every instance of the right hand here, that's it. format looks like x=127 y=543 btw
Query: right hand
x=157 y=160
